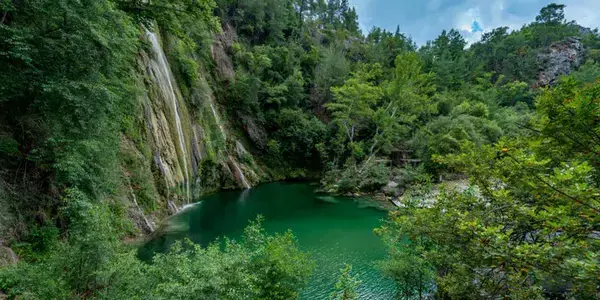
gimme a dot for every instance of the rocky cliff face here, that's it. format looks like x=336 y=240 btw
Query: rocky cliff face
x=184 y=150
x=561 y=59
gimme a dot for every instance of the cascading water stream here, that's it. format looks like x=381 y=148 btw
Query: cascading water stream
x=165 y=80
x=241 y=175
x=218 y=120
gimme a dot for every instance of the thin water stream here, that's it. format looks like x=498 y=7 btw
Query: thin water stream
x=165 y=80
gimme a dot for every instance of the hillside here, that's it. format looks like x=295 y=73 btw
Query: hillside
x=116 y=114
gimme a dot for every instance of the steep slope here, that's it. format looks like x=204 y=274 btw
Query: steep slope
x=190 y=150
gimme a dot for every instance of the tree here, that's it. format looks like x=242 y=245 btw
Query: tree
x=332 y=70
x=351 y=21
x=345 y=288
x=65 y=89
x=445 y=56
x=405 y=263
x=353 y=105
x=410 y=91
x=539 y=241
x=551 y=14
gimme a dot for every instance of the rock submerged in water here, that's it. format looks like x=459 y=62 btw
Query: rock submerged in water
x=377 y=201
x=328 y=199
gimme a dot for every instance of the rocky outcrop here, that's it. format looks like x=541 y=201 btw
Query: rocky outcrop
x=393 y=189
x=7 y=256
x=256 y=132
x=221 y=50
x=561 y=59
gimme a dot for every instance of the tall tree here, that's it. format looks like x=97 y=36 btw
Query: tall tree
x=551 y=14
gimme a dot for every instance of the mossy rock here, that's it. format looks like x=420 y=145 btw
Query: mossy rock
x=7 y=257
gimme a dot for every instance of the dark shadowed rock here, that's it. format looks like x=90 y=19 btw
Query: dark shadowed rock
x=561 y=59
x=221 y=50
x=255 y=131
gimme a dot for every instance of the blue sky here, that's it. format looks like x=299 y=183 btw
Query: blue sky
x=423 y=20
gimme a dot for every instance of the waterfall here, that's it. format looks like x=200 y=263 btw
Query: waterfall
x=240 y=174
x=165 y=80
x=188 y=206
x=218 y=120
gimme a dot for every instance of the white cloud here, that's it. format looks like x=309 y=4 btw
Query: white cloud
x=488 y=15
x=464 y=21
x=585 y=13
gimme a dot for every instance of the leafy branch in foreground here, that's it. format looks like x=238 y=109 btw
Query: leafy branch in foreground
x=345 y=288
x=92 y=265
x=529 y=228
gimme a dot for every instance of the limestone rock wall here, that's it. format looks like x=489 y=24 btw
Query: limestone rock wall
x=187 y=147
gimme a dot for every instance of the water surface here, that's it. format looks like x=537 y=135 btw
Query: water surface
x=334 y=232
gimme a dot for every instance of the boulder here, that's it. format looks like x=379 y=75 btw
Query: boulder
x=392 y=184
x=393 y=189
x=561 y=59
x=7 y=256
x=255 y=130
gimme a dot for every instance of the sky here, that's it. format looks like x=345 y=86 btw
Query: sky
x=424 y=20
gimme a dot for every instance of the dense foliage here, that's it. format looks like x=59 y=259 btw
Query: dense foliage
x=90 y=263
x=375 y=95
x=529 y=226
x=312 y=94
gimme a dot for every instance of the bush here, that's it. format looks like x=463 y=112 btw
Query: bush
x=89 y=264
x=258 y=267
x=71 y=268
x=368 y=177
x=297 y=137
x=374 y=176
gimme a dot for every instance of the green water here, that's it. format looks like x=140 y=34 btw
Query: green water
x=333 y=232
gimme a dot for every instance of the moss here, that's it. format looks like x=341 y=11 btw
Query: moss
x=119 y=210
x=210 y=175
x=139 y=172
